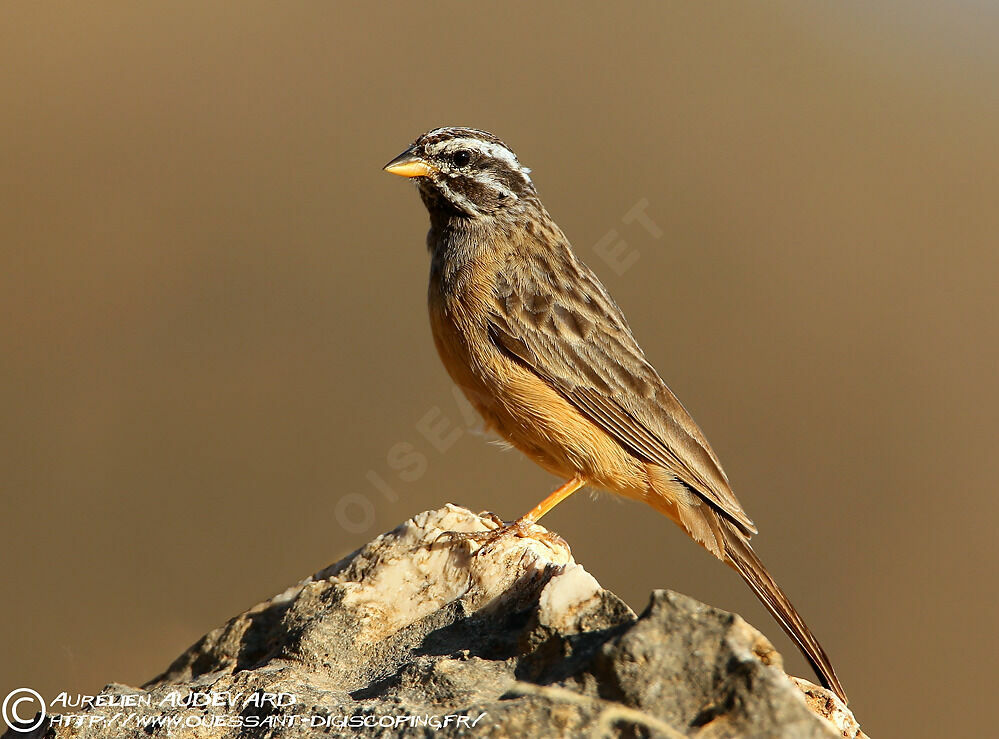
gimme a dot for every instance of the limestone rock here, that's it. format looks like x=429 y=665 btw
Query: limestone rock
x=418 y=634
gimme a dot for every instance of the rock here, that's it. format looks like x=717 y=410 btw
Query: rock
x=420 y=634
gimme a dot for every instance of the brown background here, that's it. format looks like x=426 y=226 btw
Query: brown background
x=212 y=309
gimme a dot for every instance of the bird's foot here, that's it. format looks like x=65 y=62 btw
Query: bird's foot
x=524 y=528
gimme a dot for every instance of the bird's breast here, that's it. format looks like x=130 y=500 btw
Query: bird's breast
x=513 y=401
x=459 y=315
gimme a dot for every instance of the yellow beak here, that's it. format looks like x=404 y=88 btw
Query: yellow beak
x=408 y=165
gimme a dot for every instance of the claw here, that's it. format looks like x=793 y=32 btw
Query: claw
x=500 y=523
x=522 y=528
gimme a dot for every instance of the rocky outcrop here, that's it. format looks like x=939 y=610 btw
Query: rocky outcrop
x=417 y=633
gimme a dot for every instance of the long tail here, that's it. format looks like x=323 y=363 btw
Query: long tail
x=724 y=538
x=740 y=555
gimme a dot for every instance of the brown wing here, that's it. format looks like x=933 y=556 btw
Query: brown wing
x=574 y=337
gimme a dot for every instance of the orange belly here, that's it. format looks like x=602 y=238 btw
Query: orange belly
x=527 y=412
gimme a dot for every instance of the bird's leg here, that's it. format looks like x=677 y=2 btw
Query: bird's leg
x=522 y=527
x=553 y=500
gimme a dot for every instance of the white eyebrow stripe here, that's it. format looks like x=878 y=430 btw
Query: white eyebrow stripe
x=488 y=148
x=483 y=147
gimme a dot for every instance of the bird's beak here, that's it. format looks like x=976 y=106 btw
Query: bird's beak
x=408 y=164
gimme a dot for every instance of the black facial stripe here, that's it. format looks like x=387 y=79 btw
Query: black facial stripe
x=506 y=177
x=490 y=181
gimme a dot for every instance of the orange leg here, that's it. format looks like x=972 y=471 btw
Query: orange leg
x=522 y=526
x=553 y=500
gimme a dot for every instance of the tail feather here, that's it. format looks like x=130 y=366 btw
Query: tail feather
x=728 y=540
x=740 y=555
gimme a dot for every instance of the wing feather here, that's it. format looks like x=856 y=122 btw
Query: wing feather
x=577 y=340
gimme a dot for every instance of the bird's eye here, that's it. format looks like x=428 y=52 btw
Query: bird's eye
x=461 y=157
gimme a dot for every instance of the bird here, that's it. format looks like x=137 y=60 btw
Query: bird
x=544 y=354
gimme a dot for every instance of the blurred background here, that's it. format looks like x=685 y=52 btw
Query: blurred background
x=214 y=337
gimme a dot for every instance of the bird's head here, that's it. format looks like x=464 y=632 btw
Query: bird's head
x=466 y=172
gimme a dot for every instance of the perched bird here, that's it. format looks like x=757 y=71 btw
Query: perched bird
x=543 y=352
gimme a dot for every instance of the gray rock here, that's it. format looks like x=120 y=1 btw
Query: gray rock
x=415 y=631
